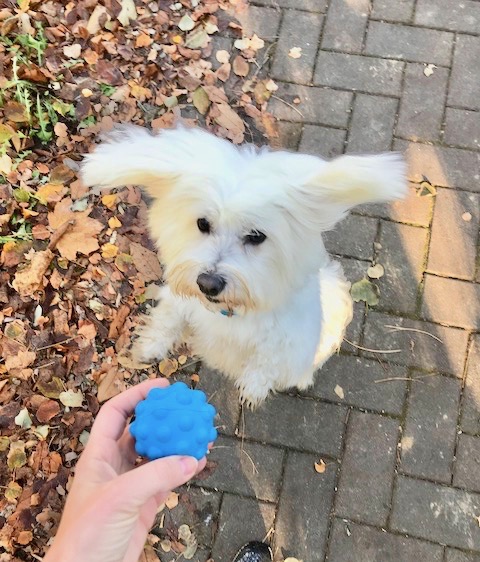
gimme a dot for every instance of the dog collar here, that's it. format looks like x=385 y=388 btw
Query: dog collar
x=228 y=313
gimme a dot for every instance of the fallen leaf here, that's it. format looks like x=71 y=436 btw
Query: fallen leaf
x=320 y=466
x=143 y=40
x=228 y=119
x=222 y=56
x=23 y=419
x=15 y=111
x=109 y=250
x=186 y=23
x=200 y=100
x=71 y=398
x=20 y=360
x=428 y=70
x=16 y=457
x=81 y=237
x=113 y=223
x=127 y=13
x=172 y=500
x=467 y=217
x=110 y=385
x=240 y=66
x=197 y=39
x=365 y=291
x=339 y=392
x=109 y=200
x=99 y=12
x=376 y=271
x=72 y=51
x=51 y=389
x=24 y=537
x=47 y=410
x=168 y=366
x=13 y=491
x=295 y=52
x=30 y=278
x=166 y=545
x=146 y=262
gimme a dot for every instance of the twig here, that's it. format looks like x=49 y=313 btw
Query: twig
x=59 y=233
x=288 y=104
x=404 y=329
x=408 y=378
x=255 y=469
x=57 y=343
x=373 y=350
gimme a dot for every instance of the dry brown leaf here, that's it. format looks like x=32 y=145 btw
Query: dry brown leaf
x=21 y=360
x=81 y=237
x=143 y=40
x=30 y=278
x=47 y=410
x=110 y=385
x=50 y=192
x=168 y=366
x=72 y=51
x=172 y=500
x=320 y=466
x=240 y=66
x=146 y=262
x=295 y=52
x=229 y=120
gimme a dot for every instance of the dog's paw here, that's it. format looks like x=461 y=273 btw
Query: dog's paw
x=253 y=390
x=147 y=350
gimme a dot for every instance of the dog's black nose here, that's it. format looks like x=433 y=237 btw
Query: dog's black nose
x=211 y=284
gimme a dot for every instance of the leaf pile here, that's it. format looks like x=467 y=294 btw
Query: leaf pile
x=76 y=269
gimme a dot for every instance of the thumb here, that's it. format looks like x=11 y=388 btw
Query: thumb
x=155 y=477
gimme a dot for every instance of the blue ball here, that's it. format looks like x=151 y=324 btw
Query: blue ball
x=174 y=420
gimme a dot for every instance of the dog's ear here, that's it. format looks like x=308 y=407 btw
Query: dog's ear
x=134 y=155
x=329 y=192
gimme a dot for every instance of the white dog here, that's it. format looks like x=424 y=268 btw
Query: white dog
x=249 y=284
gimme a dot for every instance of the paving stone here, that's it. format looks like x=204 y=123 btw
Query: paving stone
x=421 y=115
x=409 y=43
x=464 y=88
x=462 y=127
x=457 y=556
x=358 y=377
x=298 y=423
x=467 y=465
x=245 y=468
x=345 y=25
x=373 y=119
x=354 y=72
x=402 y=254
x=354 y=270
x=453 y=242
x=353 y=236
x=201 y=555
x=318 y=105
x=289 y=134
x=449 y=14
x=196 y=508
x=241 y=520
x=263 y=21
x=308 y=5
x=304 y=508
x=444 y=167
x=224 y=396
x=470 y=420
x=322 y=141
x=413 y=209
x=367 y=472
x=451 y=302
x=351 y=542
x=417 y=349
x=437 y=513
x=393 y=10
x=428 y=441
x=299 y=29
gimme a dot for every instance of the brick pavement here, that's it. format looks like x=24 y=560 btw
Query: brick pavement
x=402 y=446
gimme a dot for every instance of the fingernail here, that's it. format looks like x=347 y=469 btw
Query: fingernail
x=189 y=465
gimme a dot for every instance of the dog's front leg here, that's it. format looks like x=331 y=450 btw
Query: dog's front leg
x=255 y=384
x=162 y=329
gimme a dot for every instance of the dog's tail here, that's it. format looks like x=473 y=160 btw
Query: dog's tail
x=354 y=180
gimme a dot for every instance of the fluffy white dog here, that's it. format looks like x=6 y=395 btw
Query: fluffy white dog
x=248 y=282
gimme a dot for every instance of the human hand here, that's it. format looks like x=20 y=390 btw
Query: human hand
x=112 y=504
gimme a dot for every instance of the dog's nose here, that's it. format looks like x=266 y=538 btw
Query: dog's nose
x=211 y=284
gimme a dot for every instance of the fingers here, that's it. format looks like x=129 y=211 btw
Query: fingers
x=113 y=415
x=155 y=478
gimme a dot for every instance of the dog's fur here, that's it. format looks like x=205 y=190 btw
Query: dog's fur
x=286 y=304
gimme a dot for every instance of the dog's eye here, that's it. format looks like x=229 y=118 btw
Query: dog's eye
x=254 y=238
x=203 y=225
